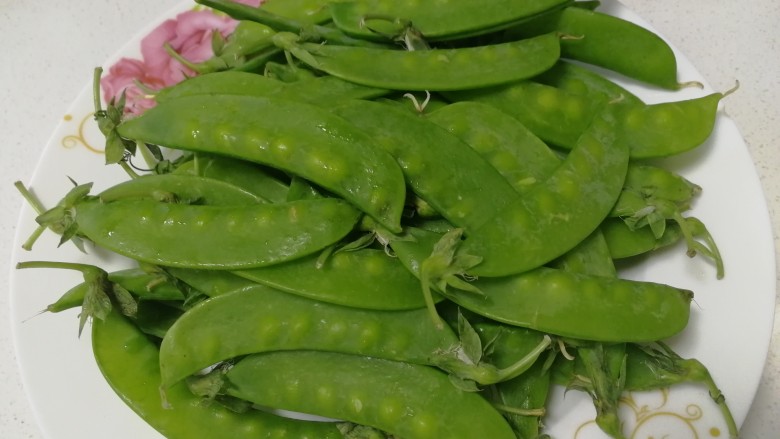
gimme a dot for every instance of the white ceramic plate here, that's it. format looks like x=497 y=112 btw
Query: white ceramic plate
x=729 y=330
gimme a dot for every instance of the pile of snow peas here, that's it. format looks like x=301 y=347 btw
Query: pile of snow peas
x=398 y=217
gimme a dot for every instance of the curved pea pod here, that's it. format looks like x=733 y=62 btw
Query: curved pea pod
x=365 y=278
x=609 y=42
x=263 y=319
x=564 y=303
x=221 y=237
x=248 y=176
x=129 y=361
x=516 y=153
x=435 y=69
x=668 y=128
x=372 y=19
x=180 y=188
x=556 y=215
x=556 y=116
x=422 y=403
x=299 y=138
x=580 y=80
x=467 y=190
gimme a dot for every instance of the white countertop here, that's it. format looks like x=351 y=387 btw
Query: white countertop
x=51 y=47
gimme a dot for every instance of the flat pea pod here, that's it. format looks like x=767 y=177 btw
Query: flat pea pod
x=321 y=89
x=557 y=214
x=435 y=69
x=625 y=242
x=129 y=361
x=326 y=149
x=609 y=42
x=403 y=399
x=221 y=237
x=521 y=157
x=467 y=191
x=211 y=282
x=435 y=21
x=308 y=11
x=556 y=116
x=262 y=319
x=655 y=181
x=564 y=303
x=559 y=117
x=668 y=128
x=248 y=176
x=365 y=278
x=180 y=188
x=578 y=79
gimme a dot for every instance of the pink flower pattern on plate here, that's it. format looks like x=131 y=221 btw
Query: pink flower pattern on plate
x=189 y=34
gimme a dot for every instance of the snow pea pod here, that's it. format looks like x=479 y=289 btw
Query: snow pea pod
x=222 y=237
x=609 y=42
x=251 y=177
x=564 y=303
x=263 y=319
x=435 y=69
x=324 y=149
x=180 y=188
x=467 y=191
x=321 y=89
x=129 y=361
x=423 y=403
x=436 y=21
x=577 y=79
x=557 y=214
x=365 y=278
x=516 y=153
x=560 y=117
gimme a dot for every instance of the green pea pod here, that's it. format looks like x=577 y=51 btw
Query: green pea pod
x=365 y=278
x=211 y=282
x=556 y=116
x=516 y=153
x=321 y=89
x=423 y=404
x=326 y=149
x=577 y=79
x=218 y=237
x=609 y=42
x=263 y=319
x=559 y=117
x=437 y=69
x=308 y=11
x=625 y=242
x=363 y=18
x=522 y=399
x=180 y=188
x=566 y=304
x=467 y=191
x=248 y=176
x=129 y=361
x=557 y=214
x=654 y=181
